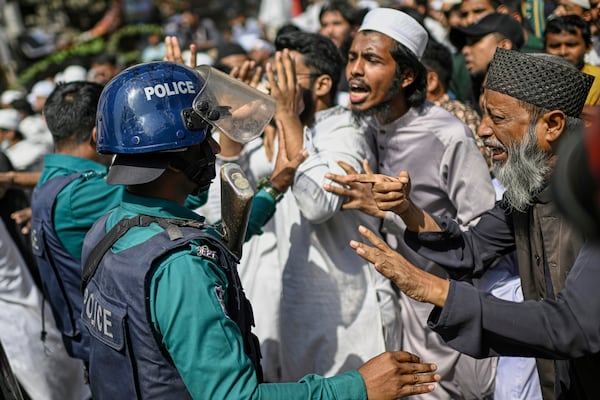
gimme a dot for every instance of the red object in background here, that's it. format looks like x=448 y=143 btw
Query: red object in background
x=296 y=7
x=593 y=146
x=592 y=139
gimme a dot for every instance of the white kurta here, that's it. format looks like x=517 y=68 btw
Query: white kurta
x=43 y=368
x=336 y=310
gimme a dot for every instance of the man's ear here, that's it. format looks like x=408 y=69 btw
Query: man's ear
x=408 y=77
x=433 y=81
x=506 y=44
x=554 y=123
x=94 y=138
x=322 y=85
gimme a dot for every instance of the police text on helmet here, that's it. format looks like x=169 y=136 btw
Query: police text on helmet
x=169 y=89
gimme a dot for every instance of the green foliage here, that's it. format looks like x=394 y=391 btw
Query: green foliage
x=124 y=42
x=91 y=47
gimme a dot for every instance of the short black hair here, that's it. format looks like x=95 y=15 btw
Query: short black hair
x=287 y=28
x=22 y=105
x=70 y=111
x=416 y=92
x=350 y=13
x=320 y=54
x=105 y=58
x=569 y=24
x=438 y=58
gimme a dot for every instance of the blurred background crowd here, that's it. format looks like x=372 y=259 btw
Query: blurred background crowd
x=44 y=43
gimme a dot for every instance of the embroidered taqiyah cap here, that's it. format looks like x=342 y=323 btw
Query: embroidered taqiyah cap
x=542 y=80
x=399 y=26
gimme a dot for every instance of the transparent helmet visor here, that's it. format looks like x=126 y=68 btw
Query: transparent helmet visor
x=243 y=112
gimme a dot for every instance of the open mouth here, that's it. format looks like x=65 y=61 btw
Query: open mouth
x=497 y=153
x=497 y=150
x=359 y=91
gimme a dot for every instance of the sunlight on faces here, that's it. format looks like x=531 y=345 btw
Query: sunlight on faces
x=525 y=171
x=478 y=53
x=569 y=46
x=371 y=73
x=472 y=11
x=335 y=27
x=518 y=161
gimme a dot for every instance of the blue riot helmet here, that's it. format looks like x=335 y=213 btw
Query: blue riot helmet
x=145 y=117
x=150 y=112
x=148 y=108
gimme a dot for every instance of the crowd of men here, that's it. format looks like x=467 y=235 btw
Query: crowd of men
x=425 y=217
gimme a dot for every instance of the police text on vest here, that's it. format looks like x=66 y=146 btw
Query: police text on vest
x=99 y=317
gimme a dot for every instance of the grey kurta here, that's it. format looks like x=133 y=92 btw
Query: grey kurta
x=449 y=177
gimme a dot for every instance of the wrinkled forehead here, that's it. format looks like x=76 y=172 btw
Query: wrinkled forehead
x=492 y=100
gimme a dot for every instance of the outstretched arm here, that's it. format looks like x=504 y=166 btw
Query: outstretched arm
x=414 y=282
x=397 y=374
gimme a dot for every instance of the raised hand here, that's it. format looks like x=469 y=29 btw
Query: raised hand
x=283 y=85
x=412 y=281
x=359 y=195
x=396 y=374
x=285 y=168
x=174 y=52
x=390 y=193
x=248 y=73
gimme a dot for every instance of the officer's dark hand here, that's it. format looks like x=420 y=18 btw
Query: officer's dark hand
x=395 y=374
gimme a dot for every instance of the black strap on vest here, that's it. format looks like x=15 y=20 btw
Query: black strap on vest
x=239 y=305
x=121 y=228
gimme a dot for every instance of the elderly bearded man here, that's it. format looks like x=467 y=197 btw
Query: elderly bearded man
x=529 y=103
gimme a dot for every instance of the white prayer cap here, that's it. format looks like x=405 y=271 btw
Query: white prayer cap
x=9 y=119
x=8 y=96
x=585 y=4
x=73 y=73
x=40 y=89
x=399 y=26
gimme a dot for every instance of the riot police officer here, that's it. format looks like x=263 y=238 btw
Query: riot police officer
x=162 y=299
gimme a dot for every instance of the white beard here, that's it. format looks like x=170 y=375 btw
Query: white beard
x=525 y=172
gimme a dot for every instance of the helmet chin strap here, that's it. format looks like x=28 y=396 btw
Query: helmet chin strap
x=201 y=171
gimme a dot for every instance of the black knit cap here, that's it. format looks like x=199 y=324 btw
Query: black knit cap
x=539 y=81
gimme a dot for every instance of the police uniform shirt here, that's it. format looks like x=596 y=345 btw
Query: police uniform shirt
x=187 y=310
x=82 y=202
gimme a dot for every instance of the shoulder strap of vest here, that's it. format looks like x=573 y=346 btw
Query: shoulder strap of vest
x=53 y=186
x=170 y=225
